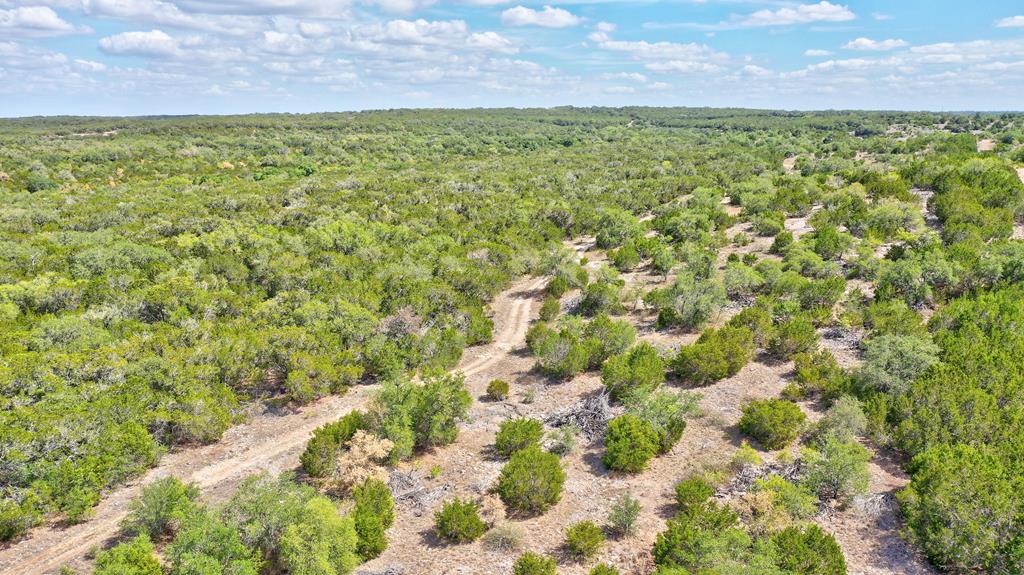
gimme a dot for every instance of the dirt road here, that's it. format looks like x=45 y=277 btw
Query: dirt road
x=270 y=441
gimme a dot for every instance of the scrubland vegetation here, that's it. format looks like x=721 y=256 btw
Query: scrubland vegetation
x=156 y=285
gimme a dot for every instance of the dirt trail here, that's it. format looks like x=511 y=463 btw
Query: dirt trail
x=269 y=441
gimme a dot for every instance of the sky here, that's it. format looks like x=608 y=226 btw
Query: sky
x=140 y=57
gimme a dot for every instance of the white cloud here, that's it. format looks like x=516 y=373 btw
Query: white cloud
x=36 y=22
x=155 y=43
x=90 y=66
x=1011 y=22
x=801 y=14
x=401 y=6
x=753 y=70
x=322 y=8
x=285 y=44
x=880 y=16
x=869 y=45
x=633 y=76
x=815 y=53
x=159 y=13
x=660 y=86
x=421 y=31
x=663 y=50
x=682 y=67
x=787 y=15
x=605 y=27
x=548 y=17
x=491 y=41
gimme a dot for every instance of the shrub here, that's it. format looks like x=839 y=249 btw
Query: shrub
x=559 y=353
x=497 y=389
x=741 y=280
x=623 y=515
x=796 y=500
x=820 y=372
x=625 y=258
x=261 y=508
x=134 y=557
x=845 y=420
x=204 y=540
x=531 y=482
x=808 y=551
x=639 y=370
x=557 y=286
x=420 y=415
x=530 y=563
x=18 y=517
x=516 y=434
x=371 y=536
x=758 y=319
x=666 y=412
x=602 y=297
x=629 y=444
x=563 y=440
x=717 y=354
x=459 y=521
x=161 y=508
x=963 y=508
x=584 y=539
x=321 y=542
x=838 y=470
x=782 y=240
x=320 y=457
x=504 y=537
x=792 y=337
x=775 y=423
x=892 y=362
x=604 y=569
x=374 y=512
x=550 y=309
x=692 y=302
x=374 y=497
x=364 y=459
x=745 y=456
x=700 y=541
x=769 y=223
x=605 y=337
x=692 y=495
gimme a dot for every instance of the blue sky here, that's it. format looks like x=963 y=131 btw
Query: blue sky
x=129 y=57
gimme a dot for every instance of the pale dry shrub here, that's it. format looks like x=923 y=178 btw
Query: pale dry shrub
x=504 y=537
x=363 y=460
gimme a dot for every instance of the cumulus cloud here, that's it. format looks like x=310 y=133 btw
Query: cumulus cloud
x=549 y=17
x=802 y=14
x=869 y=45
x=36 y=22
x=155 y=43
x=815 y=53
x=786 y=16
x=491 y=41
x=1011 y=22
x=320 y=8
